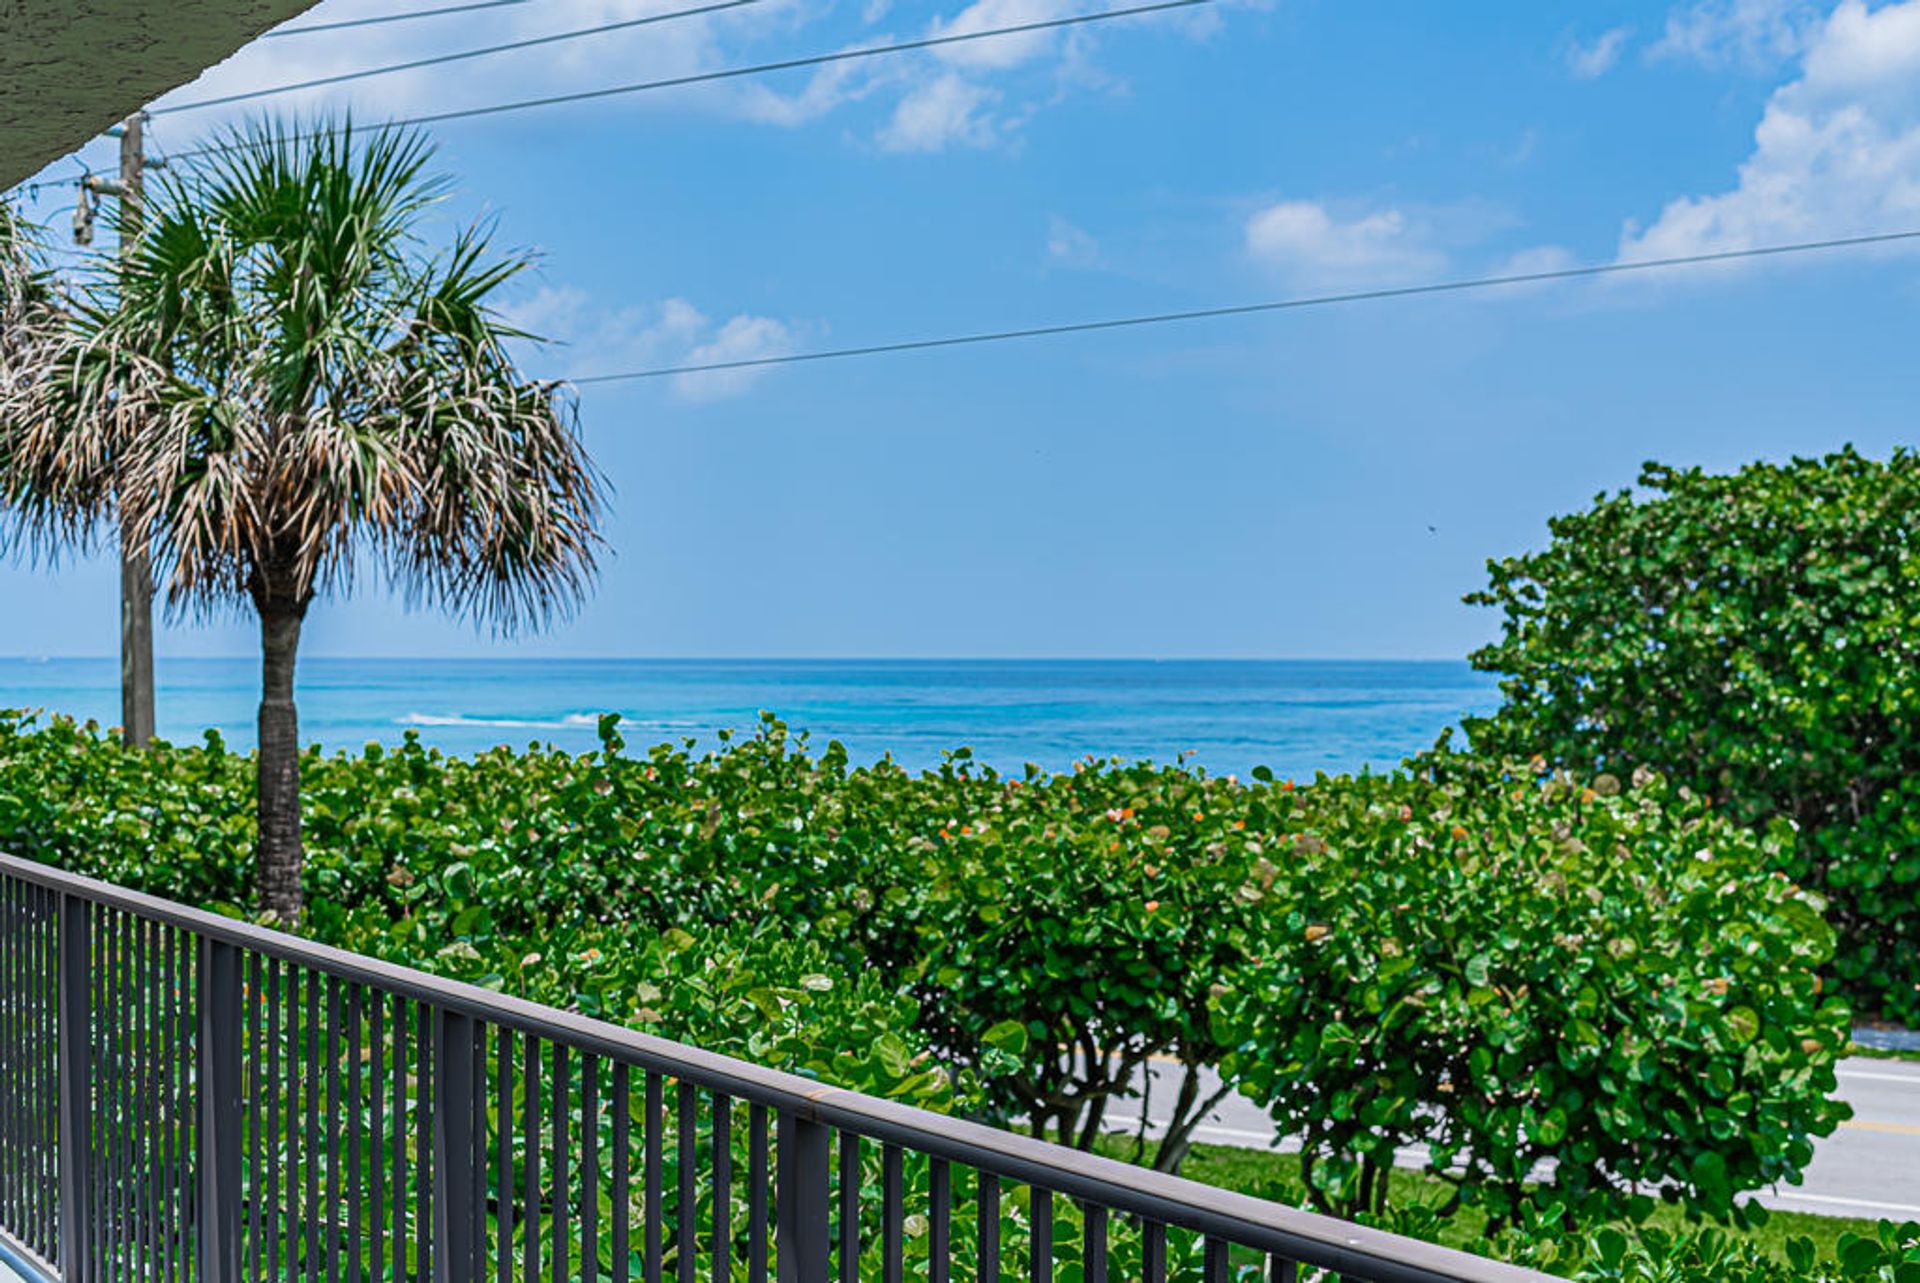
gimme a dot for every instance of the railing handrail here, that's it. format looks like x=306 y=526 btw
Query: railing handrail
x=1308 y=1237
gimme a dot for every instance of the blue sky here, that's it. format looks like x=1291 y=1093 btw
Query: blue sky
x=1322 y=483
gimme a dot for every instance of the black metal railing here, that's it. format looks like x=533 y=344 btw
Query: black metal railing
x=186 y=1097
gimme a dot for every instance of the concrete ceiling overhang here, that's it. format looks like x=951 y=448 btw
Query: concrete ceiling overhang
x=71 y=68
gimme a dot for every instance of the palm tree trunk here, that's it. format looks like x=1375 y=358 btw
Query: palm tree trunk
x=280 y=856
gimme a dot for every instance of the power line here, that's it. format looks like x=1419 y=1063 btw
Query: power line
x=729 y=73
x=316 y=27
x=1246 y=309
x=440 y=59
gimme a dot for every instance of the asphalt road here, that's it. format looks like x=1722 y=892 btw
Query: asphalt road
x=1869 y=1168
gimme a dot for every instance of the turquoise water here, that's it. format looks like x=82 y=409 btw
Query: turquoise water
x=1296 y=716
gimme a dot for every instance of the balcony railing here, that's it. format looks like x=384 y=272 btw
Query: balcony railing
x=185 y=1097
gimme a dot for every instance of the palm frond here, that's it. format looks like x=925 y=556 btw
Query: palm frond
x=317 y=382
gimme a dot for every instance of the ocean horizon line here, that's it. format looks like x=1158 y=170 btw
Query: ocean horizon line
x=1295 y=715
x=253 y=657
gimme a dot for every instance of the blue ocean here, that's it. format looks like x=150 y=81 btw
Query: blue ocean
x=1295 y=716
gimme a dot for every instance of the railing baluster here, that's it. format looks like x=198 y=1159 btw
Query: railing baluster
x=757 y=1191
x=722 y=1188
x=686 y=1233
x=989 y=1229
x=121 y=1082
x=1214 y=1259
x=622 y=1172
x=530 y=1144
x=590 y=1168
x=22 y=1134
x=121 y=1190
x=256 y=1068
x=562 y=1242
x=99 y=1104
x=106 y=1079
x=401 y=1064
x=16 y=944
x=504 y=1190
x=331 y=1144
x=477 y=1129
x=314 y=1142
x=377 y=1136
x=25 y=1135
x=1283 y=1270
x=456 y=1239
x=356 y=1118
x=1040 y=1217
x=1094 y=1248
x=269 y=1186
x=892 y=1216
x=939 y=1221
x=15 y=1124
x=849 y=1207
x=801 y=1231
x=425 y=1084
x=153 y=1123
x=76 y=1078
x=218 y=1144
x=1153 y=1252
x=13 y=1139
x=27 y=993
x=655 y=1143
x=180 y=1044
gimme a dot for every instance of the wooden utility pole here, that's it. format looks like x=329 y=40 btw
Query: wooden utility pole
x=136 y=570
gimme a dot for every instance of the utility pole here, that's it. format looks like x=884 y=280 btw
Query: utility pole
x=136 y=570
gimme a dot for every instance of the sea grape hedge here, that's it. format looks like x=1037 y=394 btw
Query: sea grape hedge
x=1603 y=973
x=1756 y=637
x=1504 y=972
x=1616 y=1253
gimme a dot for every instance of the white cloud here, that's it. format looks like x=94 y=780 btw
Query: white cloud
x=1071 y=246
x=925 y=106
x=1595 y=59
x=662 y=50
x=1310 y=243
x=744 y=338
x=1755 y=34
x=1537 y=258
x=589 y=339
x=1836 y=153
x=1531 y=261
x=947 y=110
x=1001 y=51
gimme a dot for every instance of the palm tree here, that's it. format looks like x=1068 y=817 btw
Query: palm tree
x=26 y=296
x=288 y=382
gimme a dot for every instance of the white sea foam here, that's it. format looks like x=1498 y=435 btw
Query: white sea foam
x=571 y=722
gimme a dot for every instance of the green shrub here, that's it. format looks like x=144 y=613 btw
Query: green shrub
x=1713 y=1256
x=1062 y=931
x=1544 y=1241
x=1509 y=972
x=1037 y=938
x=175 y=822
x=1755 y=637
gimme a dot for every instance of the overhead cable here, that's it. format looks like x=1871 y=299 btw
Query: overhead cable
x=314 y=28
x=1247 y=309
x=729 y=73
x=441 y=59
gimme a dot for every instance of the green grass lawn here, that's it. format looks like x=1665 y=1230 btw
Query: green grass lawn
x=1275 y=1176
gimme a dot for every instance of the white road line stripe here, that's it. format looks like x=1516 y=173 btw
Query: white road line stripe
x=1905 y=1209
x=1910 y=1079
